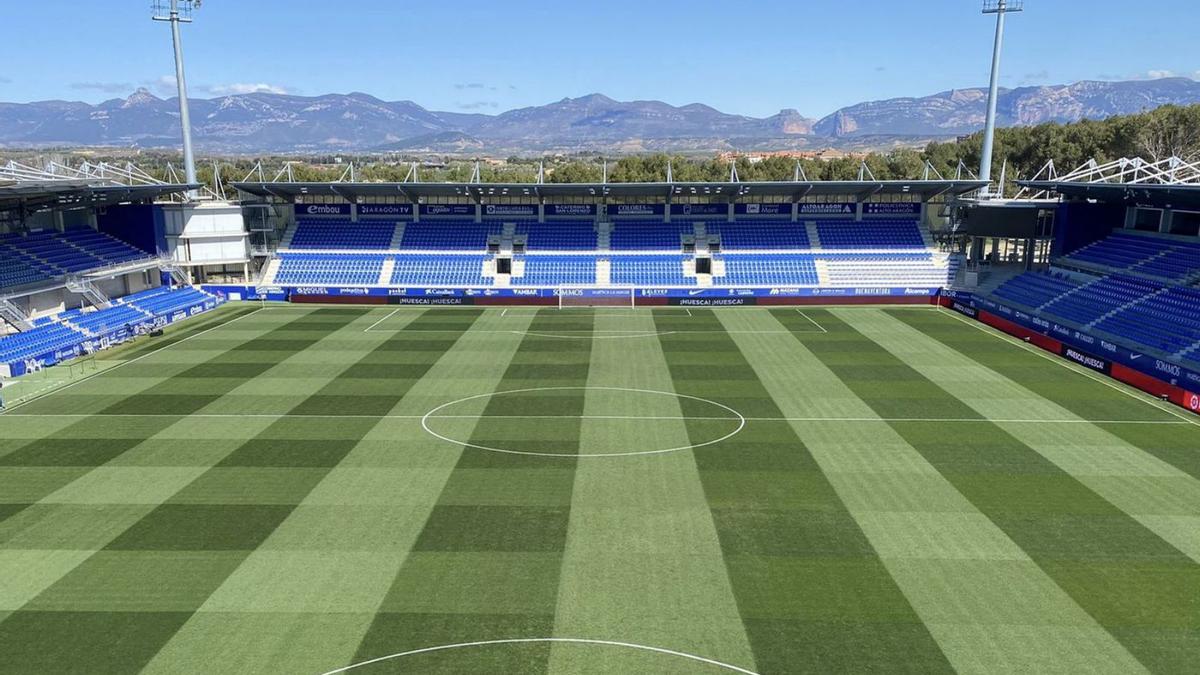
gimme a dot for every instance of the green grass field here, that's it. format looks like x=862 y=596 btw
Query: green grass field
x=296 y=489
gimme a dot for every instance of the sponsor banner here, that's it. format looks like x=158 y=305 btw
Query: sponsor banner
x=964 y=309
x=560 y=210
x=892 y=209
x=1087 y=344
x=712 y=302
x=637 y=209
x=521 y=210
x=592 y=292
x=1191 y=401
x=322 y=210
x=1087 y=360
x=762 y=209
x=448 y=210
x=843 y=209
x=385 y=209
x=519 y=292
x=700 y=209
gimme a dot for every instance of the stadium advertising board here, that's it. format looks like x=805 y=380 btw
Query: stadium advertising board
x=521 y=210
x=762 y=209
x=833 y=209
x=448 y=210
x=1087 y=360
x=892 y=209
x=550 y=292
x=1191 y=401
x=385 y=209
x=562 y=210
x=322 y=210
x=1087 y=350
x=700 y=209
x=637 y=209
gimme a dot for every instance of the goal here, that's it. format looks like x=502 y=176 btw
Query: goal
x=579 y=296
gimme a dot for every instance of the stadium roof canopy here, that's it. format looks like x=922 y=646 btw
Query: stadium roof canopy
x=1168 y=183
x=480 y=192
x=57 y=186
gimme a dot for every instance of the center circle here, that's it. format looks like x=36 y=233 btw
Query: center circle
x=548 y=422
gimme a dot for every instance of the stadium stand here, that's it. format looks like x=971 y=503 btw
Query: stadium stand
x=334 y=234
x=850 y=270
x=56 y=338
x=650 y=270
x=770 y=270
x=446 y=235
x=632 y=235
x=39 y=256
x=1167 y=320
x=761 y=235
x=565 y=235
x=1095 y=301
x=874 y=234
x=439 y=270
x=315 y=268
x=1170 y=259
x=556 y=270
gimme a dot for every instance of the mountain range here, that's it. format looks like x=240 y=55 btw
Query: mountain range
x=357 y=122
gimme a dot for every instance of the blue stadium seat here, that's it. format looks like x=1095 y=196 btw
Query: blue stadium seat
x=439 y=270
x=449 y=235
x=335 y=269
x=761 y=235
x=557 y=270
x=870 y=234
x=333 y=234
x=559 y=235
x=649 y=270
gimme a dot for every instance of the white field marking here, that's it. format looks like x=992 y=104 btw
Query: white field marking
x=621 y=335
x=810 y=320
x=390 y=315
x=133 y=360
x=681 y=418
x=590 y=333
x=1136 y=395
x=577 y=641
x=741 y=420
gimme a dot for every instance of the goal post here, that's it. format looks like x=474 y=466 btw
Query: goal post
x=590 y=296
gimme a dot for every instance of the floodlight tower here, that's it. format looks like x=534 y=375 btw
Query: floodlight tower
x=176 y=12
x=1000 y=8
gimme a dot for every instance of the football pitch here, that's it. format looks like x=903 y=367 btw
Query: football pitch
x=316 y=489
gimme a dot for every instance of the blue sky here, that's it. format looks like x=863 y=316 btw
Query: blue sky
x=741 y=56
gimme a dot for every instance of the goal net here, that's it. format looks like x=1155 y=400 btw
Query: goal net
x=576 y=296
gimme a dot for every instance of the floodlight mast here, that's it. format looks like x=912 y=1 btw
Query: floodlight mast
x=176 y=12
x=1000 y=8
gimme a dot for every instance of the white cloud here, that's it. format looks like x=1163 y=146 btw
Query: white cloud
x=245 y=88
x=164 y=85
x=1159 y=74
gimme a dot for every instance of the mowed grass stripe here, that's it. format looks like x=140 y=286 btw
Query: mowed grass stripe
x=486 y=563
x=33 y=468
x=1174 y=444
x=1139 y=587
x=34 y=640
x=1157 y=494
x=643 y=563
x=812 y=593
x=305 y=598
x=187 y=546
x=988 y=605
